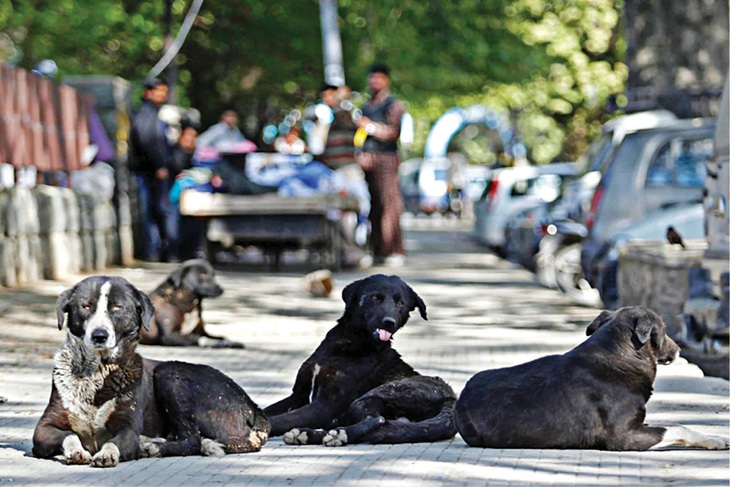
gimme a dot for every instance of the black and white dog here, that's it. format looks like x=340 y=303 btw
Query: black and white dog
x=178 y=303
x=592 y=397
x=104 y=395
x=356 y=388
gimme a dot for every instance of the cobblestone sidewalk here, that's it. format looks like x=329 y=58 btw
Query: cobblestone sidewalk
x=483 y=313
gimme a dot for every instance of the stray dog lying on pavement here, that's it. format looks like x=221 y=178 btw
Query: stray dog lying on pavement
x=104 y=395
x=592 y=397
x=178 y=303
x=356 y=388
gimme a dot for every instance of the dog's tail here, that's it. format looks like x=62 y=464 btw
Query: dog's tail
x=261 y=421
x=440 y=427
x=255 y=437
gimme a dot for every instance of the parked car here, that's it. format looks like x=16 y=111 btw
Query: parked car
x=469 y=184
x=522 y=236
x=511 y=190
x=577 y=192
x=652 y=172
x=556 y=264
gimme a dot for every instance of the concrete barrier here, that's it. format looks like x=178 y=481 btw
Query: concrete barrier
x=655 y=274
x=51 y=233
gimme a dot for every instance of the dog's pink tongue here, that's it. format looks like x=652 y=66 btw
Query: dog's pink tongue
x=384 y=335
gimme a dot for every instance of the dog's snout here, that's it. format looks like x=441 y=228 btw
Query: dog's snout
x=389 y=321
x=669 y=352
x=99 y=336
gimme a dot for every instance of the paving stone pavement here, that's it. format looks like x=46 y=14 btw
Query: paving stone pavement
x=483 y=313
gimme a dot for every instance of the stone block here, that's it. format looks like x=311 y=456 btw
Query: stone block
x=8 y=276
x=4 y=208
x=86 y=212
x=655 y=274
x=52 y=214
x=25 y=208
x=9 y=218
x=73 y=211
x=57 y=255
x=88 y=261
x=76 y=253
x=104 y=216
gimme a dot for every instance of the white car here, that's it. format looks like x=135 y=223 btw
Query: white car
x=512 y=190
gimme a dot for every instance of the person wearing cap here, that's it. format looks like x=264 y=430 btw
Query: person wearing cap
x=152 y=163
x=381 y=121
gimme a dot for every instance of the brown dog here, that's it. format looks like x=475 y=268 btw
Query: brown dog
x=178 y=303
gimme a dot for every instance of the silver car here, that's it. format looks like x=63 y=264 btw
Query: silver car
x=512 y=190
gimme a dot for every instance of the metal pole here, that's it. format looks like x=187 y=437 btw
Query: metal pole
x=334 y=74
x=172 y=67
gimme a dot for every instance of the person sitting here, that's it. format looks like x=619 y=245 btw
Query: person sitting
x=224 y=134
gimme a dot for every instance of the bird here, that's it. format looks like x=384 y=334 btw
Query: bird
x=673 y=237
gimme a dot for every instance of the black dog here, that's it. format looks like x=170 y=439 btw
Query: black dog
x=592 y=397
x=104 y=395
x=357 y=386
x=178 y=304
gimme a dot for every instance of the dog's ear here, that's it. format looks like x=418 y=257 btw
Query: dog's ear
x=600 y=320
x=145 y=310
x=644 y=326
x=418 y=303
x=349 y=293
x=62 y=306
x=177 y=276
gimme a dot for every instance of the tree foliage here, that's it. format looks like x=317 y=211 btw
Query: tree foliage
x=549 y=64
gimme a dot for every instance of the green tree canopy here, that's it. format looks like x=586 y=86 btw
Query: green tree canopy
x=550 y=64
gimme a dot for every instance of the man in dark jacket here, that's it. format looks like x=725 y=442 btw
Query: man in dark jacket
x=153 y=166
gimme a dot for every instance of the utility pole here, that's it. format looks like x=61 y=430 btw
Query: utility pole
x=172 y=67
x=334 y=73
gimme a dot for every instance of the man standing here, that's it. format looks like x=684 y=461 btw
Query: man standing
x=152 y=164
x=381 y=122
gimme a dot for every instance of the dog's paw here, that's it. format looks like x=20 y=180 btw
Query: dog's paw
x=713 y=442
x=78 y=457
x=108 y=456
x=74 y=452
x=335 y=438
x=150 y=448
x=295 y=437
x=211 y=448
